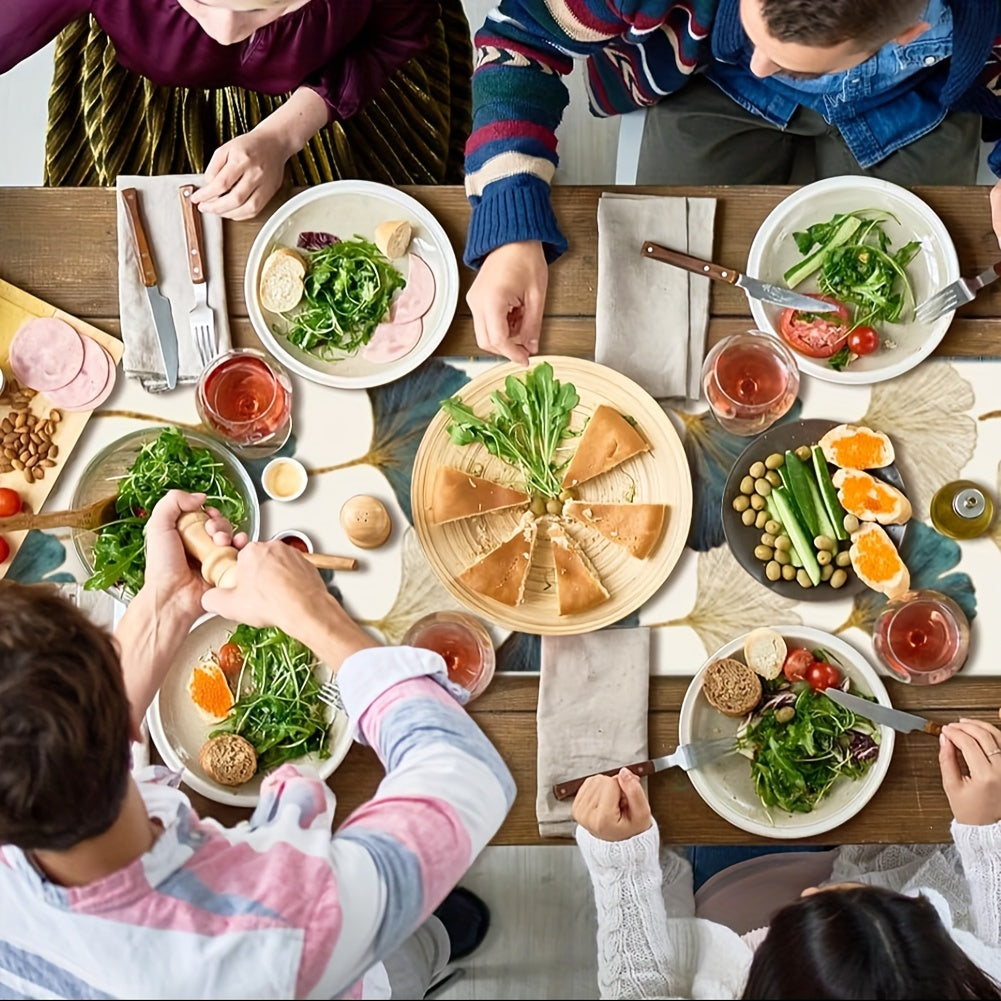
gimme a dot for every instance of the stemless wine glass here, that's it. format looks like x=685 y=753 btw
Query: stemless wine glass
x=750 y=380
x=923 y=637
x=244 y=397
x=463 y=642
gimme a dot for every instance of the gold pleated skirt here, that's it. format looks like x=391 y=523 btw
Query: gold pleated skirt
x=105 y=120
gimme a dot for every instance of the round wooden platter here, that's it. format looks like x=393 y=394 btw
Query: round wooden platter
x=660 y=475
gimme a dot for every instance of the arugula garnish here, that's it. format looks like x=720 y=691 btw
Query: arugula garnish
x=529 y=420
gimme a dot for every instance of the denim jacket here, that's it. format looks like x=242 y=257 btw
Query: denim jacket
x=881 y=105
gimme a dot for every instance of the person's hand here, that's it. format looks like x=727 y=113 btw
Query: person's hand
x=996 y=210
x=975 y=797
x=242 y=175
x=507 y=299
x=613 y=809
x=277 y=586
x=170 y=579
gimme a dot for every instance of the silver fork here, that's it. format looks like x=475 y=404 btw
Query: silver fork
x=330 y=694
x=961 y=291
x=686 y=756
x=201 y=317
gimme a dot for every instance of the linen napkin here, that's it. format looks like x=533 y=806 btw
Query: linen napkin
x=160 y=207
x=593 y=699
x=651 y=319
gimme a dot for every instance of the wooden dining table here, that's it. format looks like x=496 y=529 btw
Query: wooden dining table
x=61 y=245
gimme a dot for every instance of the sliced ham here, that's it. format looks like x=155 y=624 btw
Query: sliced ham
x=93 y=383
x=46 y=353
x=392 y=340
x=418 y=294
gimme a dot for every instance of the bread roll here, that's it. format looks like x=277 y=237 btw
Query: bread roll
x=228 y=759
x=765 y=652
x=280 y=287
x=870 y=499
x=393 y=237
x=876 y=561
x=857 y=447
x=731 y=687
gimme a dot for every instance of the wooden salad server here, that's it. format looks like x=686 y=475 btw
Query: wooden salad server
x=90 y=517
x=219 y=562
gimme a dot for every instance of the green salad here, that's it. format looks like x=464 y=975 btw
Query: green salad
x=800 y=743
x=167 y=462
x=277 y=708
x=348 y=288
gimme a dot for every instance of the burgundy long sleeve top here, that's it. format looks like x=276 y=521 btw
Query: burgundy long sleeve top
x=345 y=50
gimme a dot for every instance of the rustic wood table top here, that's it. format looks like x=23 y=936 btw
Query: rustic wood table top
x=60 y=244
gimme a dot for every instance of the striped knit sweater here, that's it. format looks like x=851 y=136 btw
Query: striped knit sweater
x=636 y=51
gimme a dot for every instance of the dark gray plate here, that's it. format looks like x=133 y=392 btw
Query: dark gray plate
x=743 y=539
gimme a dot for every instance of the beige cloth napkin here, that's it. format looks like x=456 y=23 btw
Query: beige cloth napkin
x=651 y=318
x=160 y=208
x=593 y=699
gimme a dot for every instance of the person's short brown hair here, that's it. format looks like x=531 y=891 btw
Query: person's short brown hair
x=872 y=23
x=64 y=722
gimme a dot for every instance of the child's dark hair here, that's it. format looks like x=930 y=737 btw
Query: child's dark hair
x=64 y=722
x=863 y=942
x=870 y=23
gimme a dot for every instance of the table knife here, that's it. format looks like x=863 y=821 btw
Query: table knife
x=686 y=756
x=163 y=321
x=876 y=713
x=752 y=286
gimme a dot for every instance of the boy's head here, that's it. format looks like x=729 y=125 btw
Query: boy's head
x=804 y=38
x=64 y=722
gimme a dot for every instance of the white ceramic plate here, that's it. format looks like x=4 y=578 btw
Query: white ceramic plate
x=346 y=209
x=773 y=252
x=178 y=728
x=726 y=785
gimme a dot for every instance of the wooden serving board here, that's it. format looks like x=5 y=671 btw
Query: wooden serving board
x=17 y=307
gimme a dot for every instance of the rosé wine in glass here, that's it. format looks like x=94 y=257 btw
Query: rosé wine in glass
x=464 y=645
x=750 y=381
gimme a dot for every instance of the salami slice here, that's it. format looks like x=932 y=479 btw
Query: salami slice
x=92 y=384
x=46 y=353
x=418 y=294
x=393 y=340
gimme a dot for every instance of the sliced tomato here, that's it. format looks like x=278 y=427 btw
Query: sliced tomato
x=4 y=550
x=10 y=502
x=817 y=335
x=230 y=659
x=863 y=340
x=821 y=675
x=798 y=661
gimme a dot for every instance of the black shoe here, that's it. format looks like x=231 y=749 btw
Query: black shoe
x=466 y=919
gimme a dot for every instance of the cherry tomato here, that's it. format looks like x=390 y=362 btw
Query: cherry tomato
x=230 y=659
x=4 y=550
x=821 y=675
x=10 y=502
x=817 y=335
x=798 y=661
x=863 y=340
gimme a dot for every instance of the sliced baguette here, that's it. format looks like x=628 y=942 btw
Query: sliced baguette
x=870 y=499
x=765 y=652
x=281 y=287
x=857 y=447
x=876 y=561
x=731 y=687
x=393 y=237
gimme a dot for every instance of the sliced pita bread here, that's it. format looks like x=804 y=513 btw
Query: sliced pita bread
x=502 y=573
x=635 y=526
x=578 y=588
x=461 y=495
x=607 y=440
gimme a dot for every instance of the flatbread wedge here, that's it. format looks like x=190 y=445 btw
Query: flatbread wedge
x=637 y=527
x=608 y=439
x=502 y=573
x=461 y=495
x=578 y=588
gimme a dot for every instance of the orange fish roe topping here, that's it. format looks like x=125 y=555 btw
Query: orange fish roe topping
x=862 y=450
x=877 y=557
x=210 y=691
x=862 y=492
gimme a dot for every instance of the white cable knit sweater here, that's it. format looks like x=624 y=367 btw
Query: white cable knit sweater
x=651 y=945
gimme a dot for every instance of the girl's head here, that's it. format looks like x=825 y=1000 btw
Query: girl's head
x=230 y=21
x=863 y=942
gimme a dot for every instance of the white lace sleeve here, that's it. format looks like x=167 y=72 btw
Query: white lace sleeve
x=980 y=851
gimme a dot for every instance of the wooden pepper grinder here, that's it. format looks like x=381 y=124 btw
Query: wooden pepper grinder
x=218 y=562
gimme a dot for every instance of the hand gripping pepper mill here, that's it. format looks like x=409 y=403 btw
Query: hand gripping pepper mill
x=218 y=562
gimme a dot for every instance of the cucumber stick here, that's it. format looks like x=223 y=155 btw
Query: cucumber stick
x=829 y=493
x=797 y=480
x=773 y=512
x=799 y=272
x=797 y=534
x=823 y=519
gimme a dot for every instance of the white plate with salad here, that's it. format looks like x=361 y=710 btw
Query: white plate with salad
x=350 y=287
x=274 y=681
x=874 y=248
x=850 y=755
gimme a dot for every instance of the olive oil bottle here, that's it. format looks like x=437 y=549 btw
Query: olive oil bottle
x=961 y=510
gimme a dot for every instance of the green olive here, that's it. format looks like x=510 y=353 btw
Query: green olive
x=843 y=559
x=538 y=505
x=851 y=524
x=825 y=543
x=773 y=478
x=764 y=553
x=757 y=470
x=783 y=542
x=767 y=539
x=773 y=527
x=784 y=714
x=824 y=557
x=761 y=519
x=772 y=570
x=826 y=572
x=803 y=579
x=757 y=502
x=804 y=452
x=788 y=571
x=747 y=485
x=566 y=495
x=763 y=487
x=782 y=556
x=741 y=502
x=838 y=578
x=775 y=461
x=748 y=515
x=554 y=506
